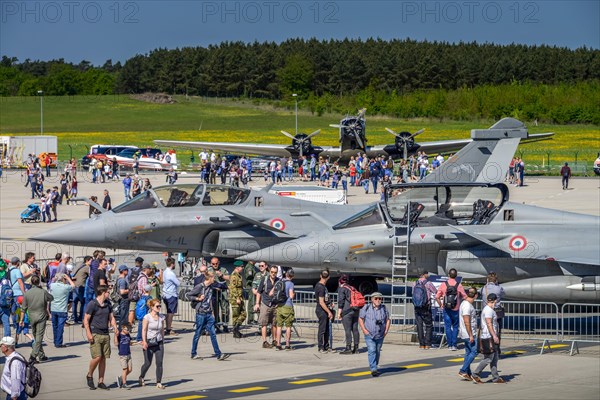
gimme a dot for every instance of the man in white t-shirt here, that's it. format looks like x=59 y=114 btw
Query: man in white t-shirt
x=468 y=332
x=489 y=341
x=203 y=155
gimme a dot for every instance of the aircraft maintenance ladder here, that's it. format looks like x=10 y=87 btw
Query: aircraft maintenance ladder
x=400 y=262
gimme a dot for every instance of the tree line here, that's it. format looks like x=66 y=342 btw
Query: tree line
x=404 y=78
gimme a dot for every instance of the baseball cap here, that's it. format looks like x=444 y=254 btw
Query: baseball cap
x=492 y=297
x=14 y=260
x=376 y=294
x=238 y=263
x=123 y=268
x=139 y=259
x=147 y=266
x=7 y=341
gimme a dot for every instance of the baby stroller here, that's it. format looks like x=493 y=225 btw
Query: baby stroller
x=31 y=213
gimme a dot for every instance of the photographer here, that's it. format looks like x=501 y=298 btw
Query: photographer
x=374 y=321
x=61 y=289
x=324 y=313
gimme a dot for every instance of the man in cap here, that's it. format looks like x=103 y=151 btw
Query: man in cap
x=170 y=293
x=236 y=298
x=61 y=289
x=258 y=277
x=13 y=374
x=374 y=321
x=35 y=302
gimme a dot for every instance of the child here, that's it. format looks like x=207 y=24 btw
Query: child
x=141 y=309
x=25 y=328
x=124 y=343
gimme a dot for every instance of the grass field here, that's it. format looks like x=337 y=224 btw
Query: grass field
x=81 y=121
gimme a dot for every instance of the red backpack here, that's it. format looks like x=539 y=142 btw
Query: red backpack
x=357 y=300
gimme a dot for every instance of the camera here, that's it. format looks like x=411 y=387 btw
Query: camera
x=111 y=260
x=379 y=322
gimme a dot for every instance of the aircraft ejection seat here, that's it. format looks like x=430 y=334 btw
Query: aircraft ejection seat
x=482 y=209
x=415 y=210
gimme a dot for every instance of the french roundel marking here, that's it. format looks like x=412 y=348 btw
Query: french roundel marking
x=278 y=224
x=517 y=243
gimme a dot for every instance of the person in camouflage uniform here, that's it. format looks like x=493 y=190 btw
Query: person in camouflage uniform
x=248 y=275
x=236 y=298
x=220 y=297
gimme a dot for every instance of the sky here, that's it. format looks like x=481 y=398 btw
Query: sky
x=96 y=31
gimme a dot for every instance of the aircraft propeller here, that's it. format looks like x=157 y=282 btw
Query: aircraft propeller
x=354 y=126
x=300 y=139
x=405 y=139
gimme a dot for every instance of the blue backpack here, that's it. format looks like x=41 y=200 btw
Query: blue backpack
x=6 y=293
x=141 y=308
x=419 y=295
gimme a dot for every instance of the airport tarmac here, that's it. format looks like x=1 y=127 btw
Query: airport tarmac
x=253 y=372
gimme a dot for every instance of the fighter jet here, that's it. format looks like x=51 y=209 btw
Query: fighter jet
x=551 y=255
x=353 y=140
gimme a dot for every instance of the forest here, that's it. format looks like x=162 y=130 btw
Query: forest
x=399 y=78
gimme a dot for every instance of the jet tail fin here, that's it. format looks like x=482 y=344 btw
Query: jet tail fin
x=486 y=158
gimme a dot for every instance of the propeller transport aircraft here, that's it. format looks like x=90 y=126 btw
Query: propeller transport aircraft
x=352 y=140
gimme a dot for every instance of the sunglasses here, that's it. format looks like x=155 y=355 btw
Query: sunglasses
x=158 y=306
x=214 y=263
x=377 y=298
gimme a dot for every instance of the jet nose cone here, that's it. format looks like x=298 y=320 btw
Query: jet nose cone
x=80 y=233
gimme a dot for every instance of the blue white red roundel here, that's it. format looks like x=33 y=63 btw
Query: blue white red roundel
x=517 y=243
x=278 y=224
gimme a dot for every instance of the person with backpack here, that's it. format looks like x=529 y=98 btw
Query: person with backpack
x=134 y=273
x=266 y=305
x=80 y=277
x=422 y=292
x=374 y=321
x=285 y=316
x=141 y=309
x=201 y=301
x=122 y=295
x=449 y=296
x=14 y=373
x=349 y=305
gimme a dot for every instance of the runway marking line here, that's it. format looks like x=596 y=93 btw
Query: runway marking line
x=248 y=389
x=411 y=366
x=460 y=359
x=555 y=346
x=192 y=397
x=355 y=374
x=307 y=381
x=513 y=352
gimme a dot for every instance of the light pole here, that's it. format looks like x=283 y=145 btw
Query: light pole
x=295 y=96
x=41 y=94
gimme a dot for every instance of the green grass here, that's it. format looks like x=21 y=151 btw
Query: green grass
x=81 y=121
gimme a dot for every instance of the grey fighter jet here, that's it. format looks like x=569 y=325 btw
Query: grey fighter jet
x=550 y=255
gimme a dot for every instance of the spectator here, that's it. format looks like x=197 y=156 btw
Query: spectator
x=285 y=312
x=468 y=332
x=124 y=339
x=492 y=286
x=61 y=291
x=264 y=303
x=220 y=299
x=98 y=318
x=29 y=268
x=449 y=296
x=324 y=313
x=259 y=276
x=565 y=172
x=35 y=302
x=106 y=203
x=80 y=278
x=348 y=316
x=122 y=284
x=5 y=311
x=153 y=333
x=201 y=298
x=170 y=292
x=490 y=341
x=423 y=316
x=236 y=298
x=374 y=321
x=141 y=309
x=127 y=186
x=13 y=374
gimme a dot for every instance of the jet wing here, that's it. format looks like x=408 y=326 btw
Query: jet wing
x=277 y=150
